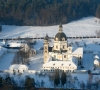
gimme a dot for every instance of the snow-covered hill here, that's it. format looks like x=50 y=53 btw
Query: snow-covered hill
x=84 y=27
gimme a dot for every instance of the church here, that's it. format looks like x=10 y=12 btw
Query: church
x=61 y=56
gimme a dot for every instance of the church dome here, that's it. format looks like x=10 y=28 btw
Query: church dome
x=60 y=36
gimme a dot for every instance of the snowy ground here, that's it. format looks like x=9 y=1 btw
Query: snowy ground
x=84 y=27
x=5 y=62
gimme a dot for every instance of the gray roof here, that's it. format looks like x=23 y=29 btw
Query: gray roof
x=60 y=35
x=46 y=37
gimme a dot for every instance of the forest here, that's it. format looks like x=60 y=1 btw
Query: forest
x=46 y=12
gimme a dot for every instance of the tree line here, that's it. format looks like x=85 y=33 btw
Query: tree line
x=46 y=12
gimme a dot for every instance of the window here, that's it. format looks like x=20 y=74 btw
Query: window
x=64 y=56
x=18 y=71
x=62 y=64
x=45 y=47
x=63 y=39
x=54 y=56
x=57 y=47
x=63 y=47
x=56 y=39
x=45 y=51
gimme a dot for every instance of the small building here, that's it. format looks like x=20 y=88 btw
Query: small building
x=18 y=68
x=12 y=45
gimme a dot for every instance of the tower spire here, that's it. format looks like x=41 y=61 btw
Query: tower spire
x=60 y=27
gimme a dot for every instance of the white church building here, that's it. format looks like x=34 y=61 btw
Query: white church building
x=61 y=56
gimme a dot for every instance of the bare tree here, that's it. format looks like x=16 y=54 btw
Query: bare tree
x=22 y=56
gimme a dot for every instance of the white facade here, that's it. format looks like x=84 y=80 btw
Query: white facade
x=67 y=66
x=18 y=68
x=61 y=54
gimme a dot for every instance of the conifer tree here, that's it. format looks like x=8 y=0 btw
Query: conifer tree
x=56 y=78
x=98 y=11
x=29 y=83
x=63 y=78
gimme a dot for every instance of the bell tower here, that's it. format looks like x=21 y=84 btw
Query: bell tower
x=46 y=46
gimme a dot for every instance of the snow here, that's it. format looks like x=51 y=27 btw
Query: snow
x=2 y=51
x=78 y=51
x=13 y=44
x=59 y=64
x=6 y=60
x=96 y=62
x=96 y=57
x=38 y=45
x=18 y=67
x=84 y=27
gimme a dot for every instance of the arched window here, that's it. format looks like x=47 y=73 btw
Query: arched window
x=63 y=39
x=54 y=56
x=46 y=51
x=45 y=47
x=56 y=39
x=64 y=56
x=63 y=46
x=56 y=46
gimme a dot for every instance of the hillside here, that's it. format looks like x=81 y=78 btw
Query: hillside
x=83 y=27
x=46 y=12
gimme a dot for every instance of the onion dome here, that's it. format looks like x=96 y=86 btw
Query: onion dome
x=60 y=36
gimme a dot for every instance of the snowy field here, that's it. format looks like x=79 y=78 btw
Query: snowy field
x=84 y=27
x=6 y=60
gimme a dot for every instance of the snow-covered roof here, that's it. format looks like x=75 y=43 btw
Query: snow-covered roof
x=13 y=44
x=18 y=67
x=78 y=50
x=59 y=63
x=96 y=62
x=2 y=43
x=96 y=57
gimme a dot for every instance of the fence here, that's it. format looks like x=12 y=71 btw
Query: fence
x=77 y=37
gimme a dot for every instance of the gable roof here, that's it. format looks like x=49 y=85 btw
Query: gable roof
x=78 y=50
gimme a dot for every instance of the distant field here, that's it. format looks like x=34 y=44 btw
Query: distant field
x=84 y=27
